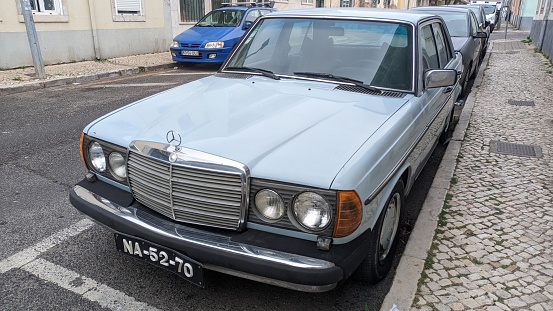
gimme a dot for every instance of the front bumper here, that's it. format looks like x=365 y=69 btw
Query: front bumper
x=233 y=253
x=203 y=56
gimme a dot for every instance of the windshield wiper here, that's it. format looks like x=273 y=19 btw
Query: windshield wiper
x=264 y=72
x=338 y=79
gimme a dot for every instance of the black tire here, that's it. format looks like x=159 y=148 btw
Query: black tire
x=464 y=86
x=447 y=131
x=382 y=251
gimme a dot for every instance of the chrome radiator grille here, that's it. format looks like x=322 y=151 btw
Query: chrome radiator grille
x=204 y=196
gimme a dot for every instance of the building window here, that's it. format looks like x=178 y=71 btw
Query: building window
x=45 y=11
x=128 y=11
x=191 y=11
x=128 y=7
x=306 y=1
x=46 y=6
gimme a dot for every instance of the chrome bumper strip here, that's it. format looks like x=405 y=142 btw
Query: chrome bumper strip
x=206 y=239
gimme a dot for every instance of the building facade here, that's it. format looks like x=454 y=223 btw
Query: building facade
x=76 y=30
x=542 y=27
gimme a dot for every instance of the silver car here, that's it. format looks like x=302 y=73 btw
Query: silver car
x=292 y=164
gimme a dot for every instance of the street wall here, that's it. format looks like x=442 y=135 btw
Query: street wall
x=537 y=26
x=84 y=30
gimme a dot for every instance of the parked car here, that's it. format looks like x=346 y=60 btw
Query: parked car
x=214 y=36
x=490 y=11
x=291 y=165
x=465 y=34
x=483 y=24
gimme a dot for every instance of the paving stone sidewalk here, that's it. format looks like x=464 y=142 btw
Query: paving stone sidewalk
x=493 y=248
x=23 y=79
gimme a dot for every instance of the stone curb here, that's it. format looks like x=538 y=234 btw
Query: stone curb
x=81 y=79
x=404 y=286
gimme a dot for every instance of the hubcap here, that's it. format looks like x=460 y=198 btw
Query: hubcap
x=389 y=226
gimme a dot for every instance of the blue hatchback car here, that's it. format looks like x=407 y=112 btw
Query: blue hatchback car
x=214 y=36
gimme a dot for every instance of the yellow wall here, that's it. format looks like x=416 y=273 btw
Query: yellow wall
x=77 y=16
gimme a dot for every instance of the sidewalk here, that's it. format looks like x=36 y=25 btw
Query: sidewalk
x=23 y=79
x=490 y=245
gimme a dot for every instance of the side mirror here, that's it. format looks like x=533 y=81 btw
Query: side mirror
x=439 y=78
x=480 y=34
x=247 y=25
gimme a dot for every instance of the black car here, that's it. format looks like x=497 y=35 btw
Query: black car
x=483 y=24
x=465 y=34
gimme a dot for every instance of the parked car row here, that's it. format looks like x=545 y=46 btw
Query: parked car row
x=469 y=35
x=291 y=165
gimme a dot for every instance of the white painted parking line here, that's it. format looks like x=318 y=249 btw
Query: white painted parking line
x=130 y=84
x=89 y=289
x=31 y=253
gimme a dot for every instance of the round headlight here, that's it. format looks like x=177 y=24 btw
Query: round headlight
x=269 y=205
x=117 y=165
x=312 y=211
x=97 y=158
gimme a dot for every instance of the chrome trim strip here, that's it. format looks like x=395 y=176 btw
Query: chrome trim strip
x=206 y=239
x=405 y=156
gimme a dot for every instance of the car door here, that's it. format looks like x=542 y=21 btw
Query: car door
x=434 y=102
x=477 y=42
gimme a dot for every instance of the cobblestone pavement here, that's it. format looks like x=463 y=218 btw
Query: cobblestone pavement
x=493 y=248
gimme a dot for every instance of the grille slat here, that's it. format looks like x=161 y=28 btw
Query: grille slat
x=211 y=197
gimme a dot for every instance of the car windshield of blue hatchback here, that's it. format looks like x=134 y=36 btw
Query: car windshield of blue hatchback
x=222 y=18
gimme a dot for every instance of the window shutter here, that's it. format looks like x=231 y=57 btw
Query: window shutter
x=128 y=6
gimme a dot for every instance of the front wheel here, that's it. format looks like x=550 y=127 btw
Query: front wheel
x=383 y=240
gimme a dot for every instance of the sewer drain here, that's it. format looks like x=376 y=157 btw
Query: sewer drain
x=515 y=149
x=521 y=102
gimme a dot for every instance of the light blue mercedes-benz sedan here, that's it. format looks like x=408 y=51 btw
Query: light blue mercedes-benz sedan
x=291 y=165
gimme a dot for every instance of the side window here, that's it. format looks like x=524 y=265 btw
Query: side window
x=473 y=24
x=443 y=51
x=263 y=12
x=252 y=16
x=428 y=49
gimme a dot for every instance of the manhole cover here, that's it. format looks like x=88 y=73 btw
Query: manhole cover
x=521 y=102
x=515 y=149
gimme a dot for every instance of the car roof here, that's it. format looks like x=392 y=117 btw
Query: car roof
x=243 y=8
x=447 y=8
x=368 y=13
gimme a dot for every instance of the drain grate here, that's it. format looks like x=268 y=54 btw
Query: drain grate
x=521 y=102
x=515 y=149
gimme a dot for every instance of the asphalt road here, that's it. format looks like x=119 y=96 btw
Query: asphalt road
x=79 y=268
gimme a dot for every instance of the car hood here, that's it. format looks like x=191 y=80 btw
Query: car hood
x=289 y=130
x=200 y=35
x=459 y=42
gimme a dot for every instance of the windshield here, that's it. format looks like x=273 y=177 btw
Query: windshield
x=456 y=23
x=222 y=18
x=375 y=53
x=489 y=9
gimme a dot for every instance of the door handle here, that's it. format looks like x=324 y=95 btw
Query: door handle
x=448 y=89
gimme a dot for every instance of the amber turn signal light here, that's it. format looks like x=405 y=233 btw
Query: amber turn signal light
x=349 y=213
x=81 y=147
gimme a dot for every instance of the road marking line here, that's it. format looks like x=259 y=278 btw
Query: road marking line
x=89 y=289
x=27 y=255
x=130 y=84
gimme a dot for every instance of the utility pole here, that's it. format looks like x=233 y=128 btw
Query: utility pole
x=33 y=38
